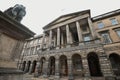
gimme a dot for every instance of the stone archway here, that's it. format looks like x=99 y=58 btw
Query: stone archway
x=33 y=66
x=63 y=66
x=77 y=65
x=41 y=65
x=28 y=66
x=115 y=62
x=94 y=65
x=23 y=65
x=52 y=66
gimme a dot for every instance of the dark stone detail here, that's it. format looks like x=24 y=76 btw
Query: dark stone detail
x=17 y=12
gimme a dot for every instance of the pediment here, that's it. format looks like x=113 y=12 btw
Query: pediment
x=66 y=17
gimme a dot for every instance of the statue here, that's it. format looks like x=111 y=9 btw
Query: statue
x=17 y=12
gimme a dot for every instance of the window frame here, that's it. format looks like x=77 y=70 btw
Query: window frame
x=110 y=39
x=113 y=21
x=99 y=25
x=118 y=29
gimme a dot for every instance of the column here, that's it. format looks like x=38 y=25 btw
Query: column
x=105 y=66
x=68 y=35
x=45 y=68
x=37 y=69
x=91 y=28
x=43 y=41
x=70 y=69
x=86 y=71
x=57 y=69
x=50 y=38
x=62 y=40
x=79 y=32
x=58 y=38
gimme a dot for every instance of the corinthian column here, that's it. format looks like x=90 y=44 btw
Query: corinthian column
x=79 y=32
x=50 y=38
x=68 y=35
x=58 y=38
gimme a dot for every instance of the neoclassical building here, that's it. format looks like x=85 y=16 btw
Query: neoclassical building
x=75 y=47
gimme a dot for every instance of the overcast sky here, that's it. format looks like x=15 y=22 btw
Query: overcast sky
x=41 y=12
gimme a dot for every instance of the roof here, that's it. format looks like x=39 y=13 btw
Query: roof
x=66 y=15
x=11 y=23
x=105 y=15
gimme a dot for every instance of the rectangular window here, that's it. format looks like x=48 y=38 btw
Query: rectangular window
x=114 y=21
x=100 y=25
x=106 y=37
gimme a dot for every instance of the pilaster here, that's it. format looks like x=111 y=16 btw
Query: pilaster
x=26 y=68
x=57 y=69
x=37 y=69
x=45 y=69
x=86 y=71
x=70 y=69
x=30 y=70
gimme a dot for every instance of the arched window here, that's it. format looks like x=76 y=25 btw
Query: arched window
x=52 y=65
x=115 y=62
x=77 y=65
x=94 y=66
x=63 y=66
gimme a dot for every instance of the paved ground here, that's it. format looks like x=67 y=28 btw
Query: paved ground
x=31 y=77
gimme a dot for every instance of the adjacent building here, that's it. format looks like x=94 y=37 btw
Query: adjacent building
x=75 y=47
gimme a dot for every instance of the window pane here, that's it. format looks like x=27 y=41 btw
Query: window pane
x=114 y=21
x=87 y=38
x=100 y=25
x=106 y=37
x=118 y=32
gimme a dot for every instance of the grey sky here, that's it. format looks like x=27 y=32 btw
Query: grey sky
x=42 y=12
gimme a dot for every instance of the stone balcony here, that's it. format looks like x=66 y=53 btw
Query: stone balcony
x=75 y=46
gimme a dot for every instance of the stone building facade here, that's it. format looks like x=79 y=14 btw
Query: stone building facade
x=75 y=47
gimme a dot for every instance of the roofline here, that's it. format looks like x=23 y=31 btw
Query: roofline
x=17 y=24
x=102 y=16
x=74 y=13
x=35 y=37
